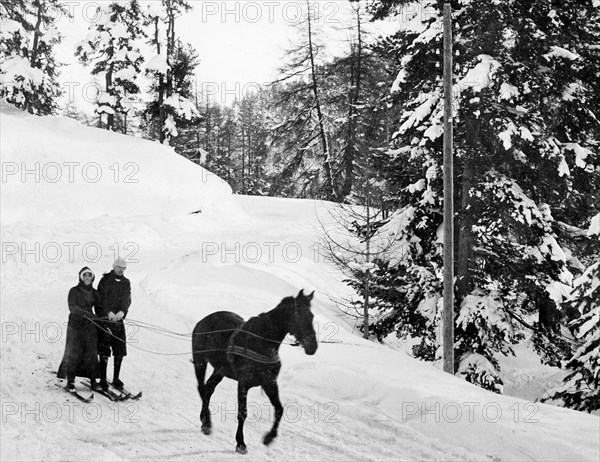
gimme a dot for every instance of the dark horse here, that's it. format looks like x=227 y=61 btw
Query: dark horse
x=248 y=352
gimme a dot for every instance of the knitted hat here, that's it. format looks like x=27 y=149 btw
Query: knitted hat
x=120 y=262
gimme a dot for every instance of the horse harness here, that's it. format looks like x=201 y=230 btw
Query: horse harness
x=251 y=354
x=246 y=352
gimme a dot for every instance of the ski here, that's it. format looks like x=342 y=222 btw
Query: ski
x=108 y=393
x=79 y=396
x=128 y=394
x=112 y=395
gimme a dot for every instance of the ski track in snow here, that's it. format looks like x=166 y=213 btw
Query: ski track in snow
x=164 y=423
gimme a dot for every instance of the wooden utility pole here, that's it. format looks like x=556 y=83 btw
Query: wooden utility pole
x=448 y=318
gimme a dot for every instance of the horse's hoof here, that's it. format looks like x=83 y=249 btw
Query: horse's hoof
x=206 y=429
x=241 y=449
x=268 y=439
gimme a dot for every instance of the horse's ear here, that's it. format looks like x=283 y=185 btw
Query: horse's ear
x=301 y=293
x=311 y=295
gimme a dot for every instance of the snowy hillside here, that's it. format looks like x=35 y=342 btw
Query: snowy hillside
x=54 y=168
x=352 y=400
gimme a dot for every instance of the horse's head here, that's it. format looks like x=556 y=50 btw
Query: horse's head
x=301 y=323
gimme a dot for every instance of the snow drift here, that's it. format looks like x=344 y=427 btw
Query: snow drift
x=53 y=168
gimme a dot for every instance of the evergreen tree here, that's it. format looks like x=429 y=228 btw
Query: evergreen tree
x=525 y=144
x=581 y=388
x=252 y=124
x=300 y=126
x=328 y=106
x=229 y=133
x=112 y=48
x=184 y=112
x=27 y=63
x=358 y=108
x=171 y=69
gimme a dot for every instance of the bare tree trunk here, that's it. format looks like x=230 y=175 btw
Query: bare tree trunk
x=218 y=129
x=366 y=305
x=208 y=126
x=353 y=98
x=35 y=47
x=161 y=89
x=249 y=153
x=329 y=189
x=170 y=50
x=229 y=153
x=243 y=157
x=36 y=35
x=368 y=260
x=110 y=117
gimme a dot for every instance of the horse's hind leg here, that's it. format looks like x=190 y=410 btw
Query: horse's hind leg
x=239 y=436
x=205 y=393
x=272 y=392
x=200 y=369
x=200 y=364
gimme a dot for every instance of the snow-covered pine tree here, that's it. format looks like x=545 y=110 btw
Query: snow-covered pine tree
x=171 y=101
x=581 y=388
x=526 y=161
x=112 y=47
x=28 y=66
x=184 y=137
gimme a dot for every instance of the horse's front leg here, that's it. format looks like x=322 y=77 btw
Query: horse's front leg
x=242 y=412
x=272 y=392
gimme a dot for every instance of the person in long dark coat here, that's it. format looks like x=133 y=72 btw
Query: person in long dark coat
x=81 y=350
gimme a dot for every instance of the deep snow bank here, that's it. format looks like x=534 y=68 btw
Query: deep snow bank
x=54 y=168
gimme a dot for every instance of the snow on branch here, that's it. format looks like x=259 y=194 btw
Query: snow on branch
x=158 y=64
x=560 y=52
x=594 y=229
x=183 y=107
x=478 y=77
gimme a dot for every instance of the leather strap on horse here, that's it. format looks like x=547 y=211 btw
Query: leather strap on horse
x=246 y=353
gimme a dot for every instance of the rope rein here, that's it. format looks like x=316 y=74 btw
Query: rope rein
x=231 y=348
x=248 y=354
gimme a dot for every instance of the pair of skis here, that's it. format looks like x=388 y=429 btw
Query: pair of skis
x=113 y=394
x=116 y=393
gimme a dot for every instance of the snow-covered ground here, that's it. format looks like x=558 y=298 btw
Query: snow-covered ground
x=352 y=400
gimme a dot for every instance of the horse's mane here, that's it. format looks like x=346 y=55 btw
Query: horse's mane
x=287 y=301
